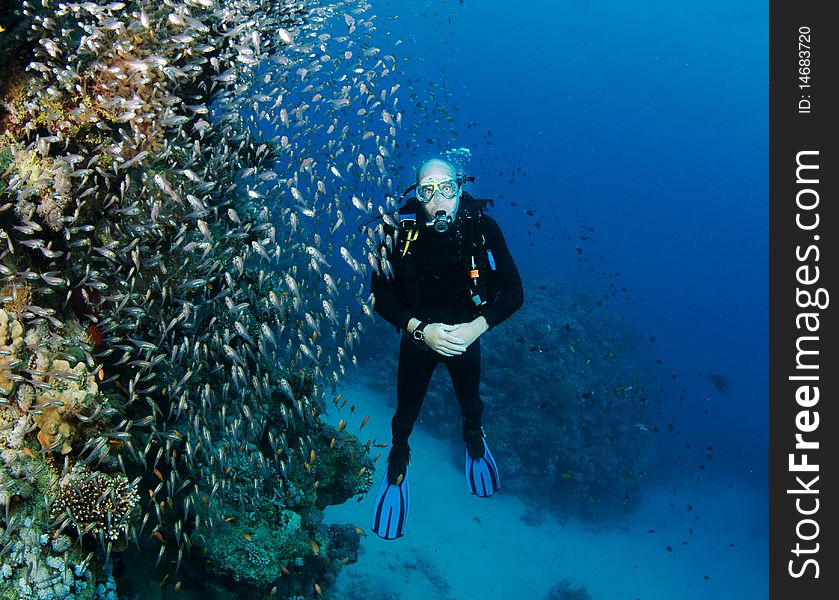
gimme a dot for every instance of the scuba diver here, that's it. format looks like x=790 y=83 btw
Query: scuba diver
x=451 y=279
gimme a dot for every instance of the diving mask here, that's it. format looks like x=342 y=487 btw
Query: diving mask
x=426 y=189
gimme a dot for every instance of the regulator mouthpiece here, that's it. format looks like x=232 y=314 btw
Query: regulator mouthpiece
x=441 y=222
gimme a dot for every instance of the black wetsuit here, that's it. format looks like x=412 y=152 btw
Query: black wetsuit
x=439 y=292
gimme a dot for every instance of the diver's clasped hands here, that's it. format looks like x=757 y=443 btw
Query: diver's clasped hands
x=471 y=331
x=438 y=337
x=452 y=340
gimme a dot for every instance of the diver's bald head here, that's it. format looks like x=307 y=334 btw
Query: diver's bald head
x=436 y=167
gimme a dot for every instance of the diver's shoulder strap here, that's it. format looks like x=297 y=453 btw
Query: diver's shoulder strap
x=480 y=262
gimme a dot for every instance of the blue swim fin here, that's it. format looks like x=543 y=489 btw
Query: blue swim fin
x=390 y=512
x=482 y=474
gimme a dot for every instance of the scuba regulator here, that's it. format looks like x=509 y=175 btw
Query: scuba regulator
x=440 y=222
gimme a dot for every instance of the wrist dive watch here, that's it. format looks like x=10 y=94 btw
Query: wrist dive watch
x=418 y=333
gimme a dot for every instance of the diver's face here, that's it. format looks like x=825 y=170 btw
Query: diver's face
x=438 y=179
x=438 y=203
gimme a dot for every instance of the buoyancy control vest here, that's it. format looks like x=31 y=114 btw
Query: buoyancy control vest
x=457 y=261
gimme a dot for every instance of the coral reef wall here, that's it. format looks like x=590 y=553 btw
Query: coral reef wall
x=170 y=331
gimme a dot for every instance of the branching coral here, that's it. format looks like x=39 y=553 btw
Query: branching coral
x=96 y=502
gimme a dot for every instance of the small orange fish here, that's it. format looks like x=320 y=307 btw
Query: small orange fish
x=151 y=493
x=177 y=586
x=377 y=457
x=399 y=479
x=227 y=470
x=363 y=422
x=43 y=440
x=285 y=571
x=314 y=337
x=343 y=404
x=28 y=452
x=341 y=425
x=229 y=519
x=362 y=471
x=159 y=536
x=308 y=467
x=247 y=536
x=101 y=374
x=115 y=443
x=318 y=590
x=312 y=456
x=159 y=474
x=381 y=445
x=360 y=532
x=337 y=399
x=333 y=442
x=315 y=547
x=345 y=560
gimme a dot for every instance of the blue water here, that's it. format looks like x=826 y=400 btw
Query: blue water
x=645 y=124
x=648 y=122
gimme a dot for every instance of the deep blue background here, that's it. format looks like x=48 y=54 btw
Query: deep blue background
x=646 y=121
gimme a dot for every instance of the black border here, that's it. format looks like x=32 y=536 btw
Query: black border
x=791 y=132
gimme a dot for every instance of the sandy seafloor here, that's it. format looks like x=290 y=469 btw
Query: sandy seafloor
x=461 y=547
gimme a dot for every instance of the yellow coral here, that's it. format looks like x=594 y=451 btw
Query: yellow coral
x=55 y=433
x=67 y=393
x=11 y=344
x=16 y=296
